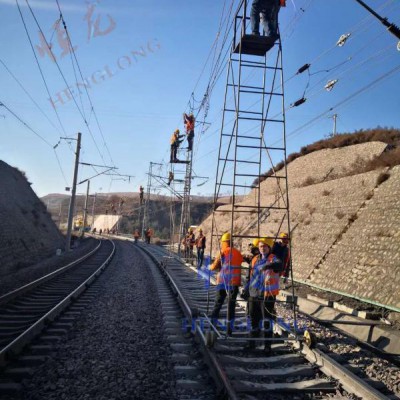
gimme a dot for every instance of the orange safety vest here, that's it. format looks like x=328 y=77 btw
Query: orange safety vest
x=189 y=125
x=229 y=262
x=283 y=3
x=271 y=278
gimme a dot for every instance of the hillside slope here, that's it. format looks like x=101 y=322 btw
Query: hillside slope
x=345 y=225
x=28 y=234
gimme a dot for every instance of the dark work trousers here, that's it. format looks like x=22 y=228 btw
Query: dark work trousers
x=174 y=150
x=219 y=301
x=269 y=10
x=262 y=313
x=190 y=136
x=200 y=257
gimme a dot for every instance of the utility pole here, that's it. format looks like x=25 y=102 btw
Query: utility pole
x=85 y=209
x=73 y=194
x=392 y=28
x=94 y=203
x=334 y=116
x=146 y=219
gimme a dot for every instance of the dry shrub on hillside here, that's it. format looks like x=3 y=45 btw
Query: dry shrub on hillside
x=311 y=209
x=389 y=158
x=309 y=181
x=353 y=217
x=383 y=176
x=326 y=192
x=369 y=195
x=339 y=214
x=383 y=233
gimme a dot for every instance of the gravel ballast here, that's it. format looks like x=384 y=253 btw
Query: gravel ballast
x=116 y=349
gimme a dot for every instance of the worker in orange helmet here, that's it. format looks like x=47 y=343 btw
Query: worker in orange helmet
x=228 y=263
x=263 y=289
x=269 y=10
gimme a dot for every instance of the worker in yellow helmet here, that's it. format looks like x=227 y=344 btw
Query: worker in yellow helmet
x=282 y=250
x=263 y=289
x=176 y=140
x=228 y=263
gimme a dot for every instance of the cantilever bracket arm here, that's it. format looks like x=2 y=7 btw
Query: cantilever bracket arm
x=392 y=28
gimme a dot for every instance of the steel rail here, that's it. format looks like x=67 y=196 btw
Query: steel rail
x=17 y=345
x=348 y=380
x=23 y=289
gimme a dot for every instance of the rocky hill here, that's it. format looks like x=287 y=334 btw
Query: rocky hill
x=127 y=205
x=344 y=219
x=28 y=233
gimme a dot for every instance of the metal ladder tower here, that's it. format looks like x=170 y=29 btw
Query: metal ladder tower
x=185 y=221
x=252 y=141
x=146 y=218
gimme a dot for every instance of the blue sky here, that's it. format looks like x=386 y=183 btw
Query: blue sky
x=139 y=97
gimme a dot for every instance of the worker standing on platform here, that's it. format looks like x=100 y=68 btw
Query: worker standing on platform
x=189 y=125
x=200 y=246
x=269 y=10
x=176 y=140
x=263 y=289
x=282 y=251
x=141 y=194
x=228 y=263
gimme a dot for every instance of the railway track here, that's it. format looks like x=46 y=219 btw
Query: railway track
x=293 y=370
x=30 y=316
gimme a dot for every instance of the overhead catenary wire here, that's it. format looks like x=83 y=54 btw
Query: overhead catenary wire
x=65 y=81
x=92 y=109
x=36 y=134
x=38 y=65
x=30 y=96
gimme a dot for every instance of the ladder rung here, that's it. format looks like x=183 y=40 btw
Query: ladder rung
x=242 y=111
x=260 y=119
x=252 y=62
x=247 y=86
x=248 y=63
x=242 y=136
x=238 y=161
x=261 y=92
x=260 y=207
x=250 y=147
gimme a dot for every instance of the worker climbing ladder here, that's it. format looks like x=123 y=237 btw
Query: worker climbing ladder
x=252 y=141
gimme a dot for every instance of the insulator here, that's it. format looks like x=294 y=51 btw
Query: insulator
x=329 y=86
x=303 y=68
x=299 y=102
x=342 y=40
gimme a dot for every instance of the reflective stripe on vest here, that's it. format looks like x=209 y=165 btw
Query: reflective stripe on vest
x=230 y=274
x=270 y=285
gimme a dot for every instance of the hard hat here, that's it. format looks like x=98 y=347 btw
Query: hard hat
x=267 y=241
x=255 y=242
x=284 y=235
x=200 y=230
x=226 y=237
x=190 y=230
x=177 y=131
